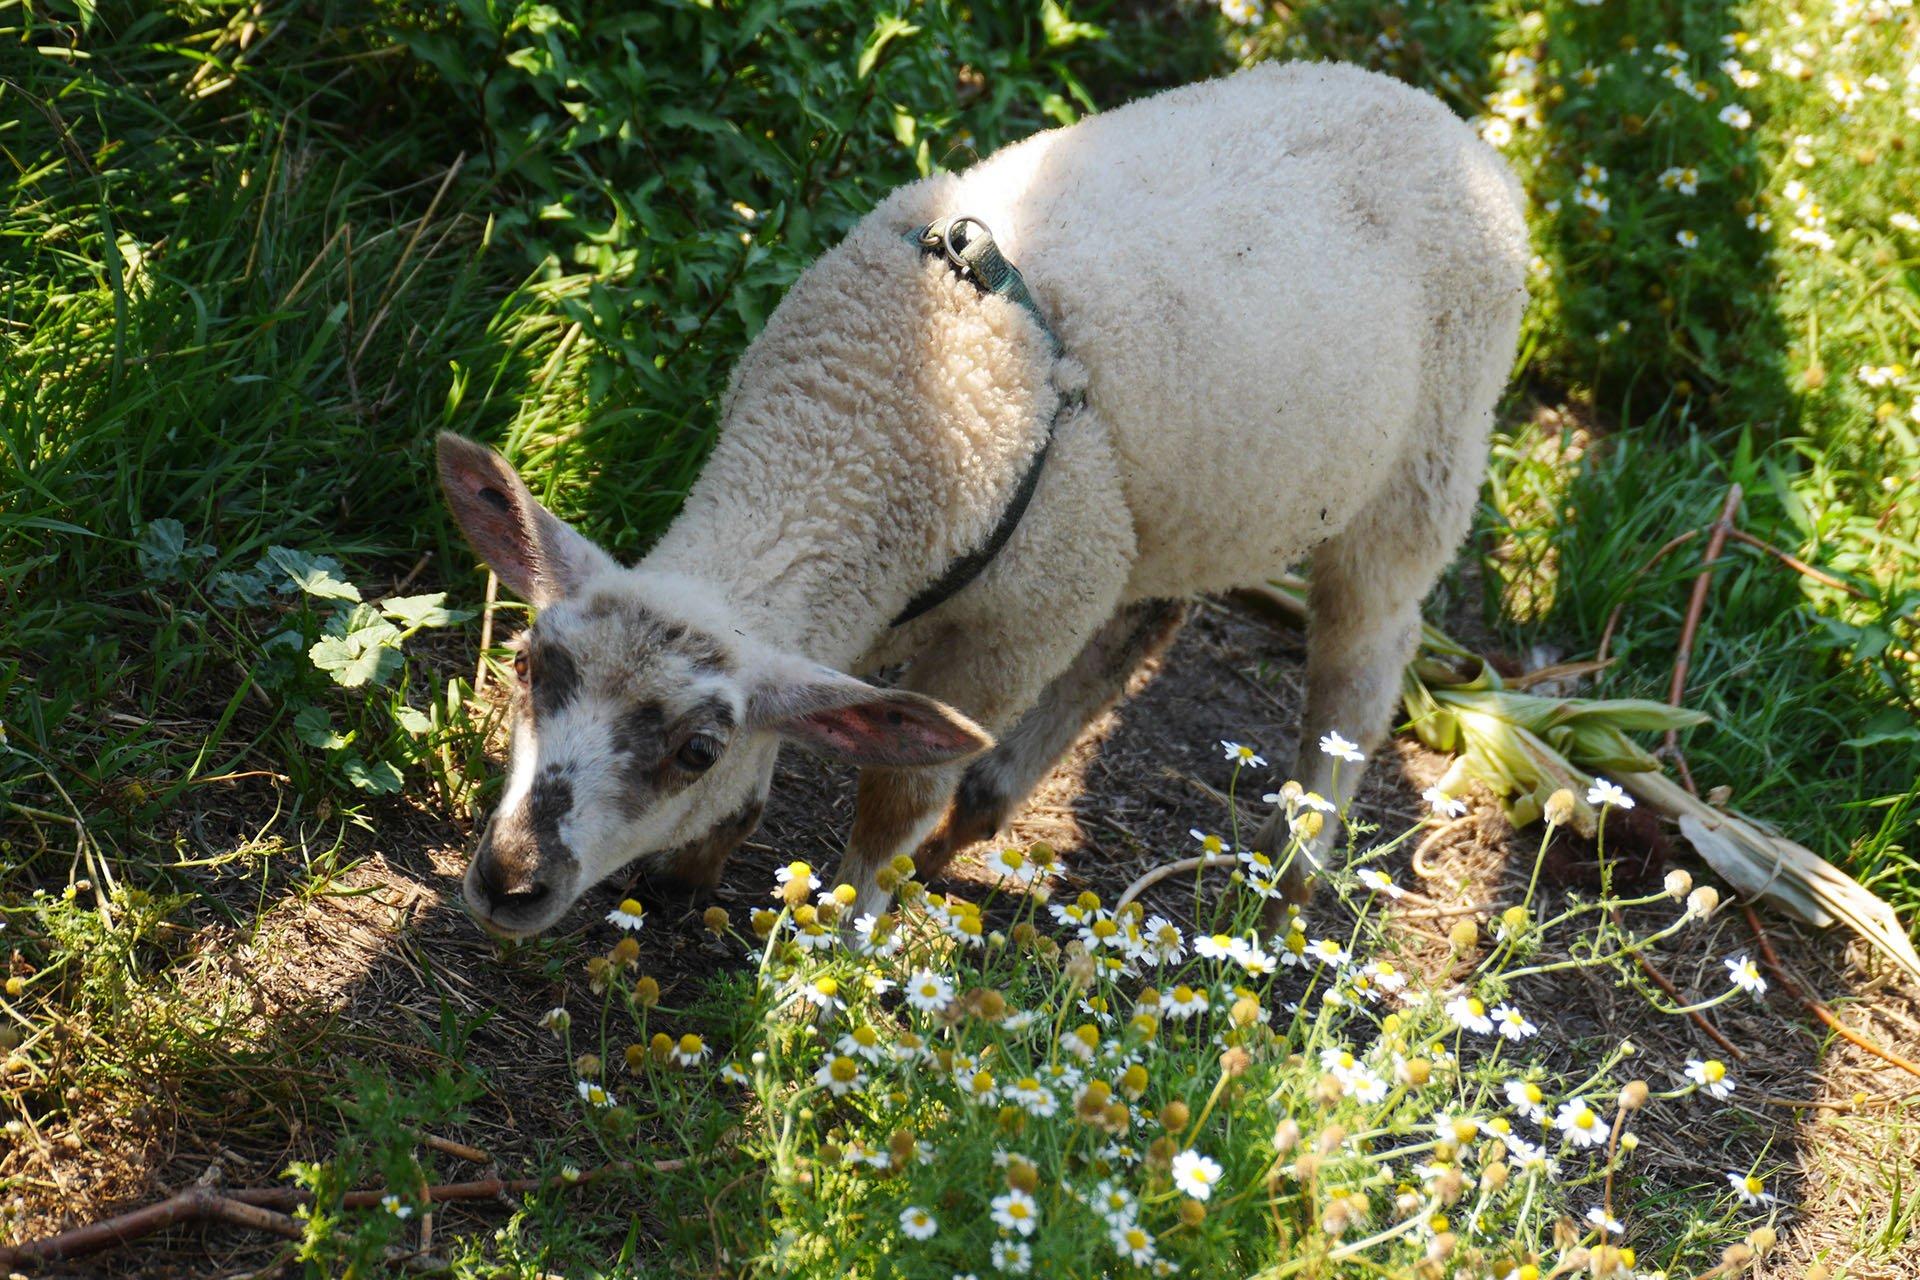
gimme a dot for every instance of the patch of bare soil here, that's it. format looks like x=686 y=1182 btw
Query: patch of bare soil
x=373 y=969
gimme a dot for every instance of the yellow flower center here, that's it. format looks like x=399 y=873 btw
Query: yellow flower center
x=691 y=1044
x=843 y=1070
x=1714 y=1070
x=632 y=908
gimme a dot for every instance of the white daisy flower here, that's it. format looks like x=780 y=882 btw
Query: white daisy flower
x=1195 y=1174
x=1580 y=1123
x=928 y=992
x=1512 y=1023
x=1608 y=1225
x=1750 y=1189
x=1241 y=754
x=1469 y=1014
x=1341 y=749
x=1710 y=1074
x=795 y=871
x=1185 y=1002
x=1014 y=1257
x=1736 y=115
x=1380 y=882
x=1016 y=1211
x=1603 y=793
x=628 y=915
x=1210 y=843
x=1214 y=946
x=595 y=1094
x=396 y=1206
x=1745 y=974
x=1525 y=1097
x=1031 y=1096
x=1133 y=1243
x=1442 y=804
x=732 y=1074
x=840 y=1075
x=862 y=1042
x=917 y=1224
x=1328 y=952
x=690 y=1050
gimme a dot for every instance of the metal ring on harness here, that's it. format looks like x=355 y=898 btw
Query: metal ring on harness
x=946 y=239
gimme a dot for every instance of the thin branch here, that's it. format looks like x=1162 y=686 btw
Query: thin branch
x=1683 y=660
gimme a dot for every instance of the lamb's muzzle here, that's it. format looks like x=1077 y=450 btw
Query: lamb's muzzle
x=1296 y=359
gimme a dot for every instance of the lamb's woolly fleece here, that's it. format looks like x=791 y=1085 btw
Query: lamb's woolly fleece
x=1292 y=293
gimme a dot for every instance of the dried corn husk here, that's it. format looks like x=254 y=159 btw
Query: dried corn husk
x=1525 y=746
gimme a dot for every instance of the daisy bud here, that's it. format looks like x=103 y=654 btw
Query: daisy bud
x=1679 y=883
x=1022 y=1175
x=587 y=1065
x=1133 y=1082
x=763 y=921
x=1441 y=1246
x=1245 y=1011
x=794 y=892
x=1045 y=947
x=1307 y=824
x=1494 y=1176
x=1234 y=1062
x=16 y=986
x=1118 y=1117
x=992 y=1006
x=1291 y=792
x=1305 y=1167
x=557 y=1020
x=597 y=970
x=887 y=879
x=1629 y=1141
x=1559 y=808
x=1449 y=1185
x=636 y=1056
x=806 y=914
x=1330 y=1138
x=827 y=912
x=1762 y=1241
x=716 y=919
x=1415 y=1072
x=661 y=1047
x=1192 y=1213
x=1024 y=934
x=626 y=952
x=1145 y=1025
x=1465 y=935
x=646 y=992
x=1080 y=968
x=845 y=894
x=1515 y=918
x=1702 y=901
x=1160 y=1152
x=1286 y=1136
x=910 y=891
x=1634 y=1096
x=901 y=1146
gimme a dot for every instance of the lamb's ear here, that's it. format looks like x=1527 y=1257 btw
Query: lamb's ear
x=538 y=555
x=853 y=721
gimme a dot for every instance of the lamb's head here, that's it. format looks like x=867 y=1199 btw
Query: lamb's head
x=644 y=714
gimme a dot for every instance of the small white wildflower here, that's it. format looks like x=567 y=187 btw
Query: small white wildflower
x=1341 y=749
x=1512 y=1023
x=628 y=915
x=1195 y=1174
x=928 y=992
x=397 y=1207
x=1608 y=1225
x=1442 y=804
x=1241 y=754
x=917 y=1224
x=1745 y=974
x=1711 y=1074
x=1016 y=1211
x=1750 y=1188
x=1603 y=793
x=1380 y=882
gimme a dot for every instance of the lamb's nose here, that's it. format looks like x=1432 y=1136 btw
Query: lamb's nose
x=507 y=880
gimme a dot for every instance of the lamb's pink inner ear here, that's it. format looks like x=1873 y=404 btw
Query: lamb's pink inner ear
x=901 y=730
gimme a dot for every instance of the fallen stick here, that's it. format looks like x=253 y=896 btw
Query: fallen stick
x=1814 y=1006
x=260 y=1209
x=1696 y=605
x=1673 y=994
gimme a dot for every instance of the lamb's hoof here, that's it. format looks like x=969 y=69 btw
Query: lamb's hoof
x=970 y=819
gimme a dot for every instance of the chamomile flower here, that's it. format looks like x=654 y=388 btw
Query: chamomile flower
x=1603 y=792
x=1032 y=1097
x=1442 y=804
x=1580 y=1124
x=1016 y=1211
x=690 y=1050
x=595 y=1094
x=732 y=1074
x=1750 y=1188
x=556 y=1020
x=1737 y=116
x=862 y=1042
x=1380 y=882
x=1133 y=1243
x=1210 y=844
x=877 y=936
x=928 y=992
x=1184 y=1002
x=396 y=1206
x=1513 y=1024
x=1014 y=864
x=628 y=915
x=1240 y=754
x=1341 y=749
x=795 y=871
x=1687 y=239
x=1014 y=1257
x=841 y=1075
x=1242 y=13
x=1710 y=1074
x=1469 y=1014
x=917 y=1224
x=1328 y=952
x=1196 y=1175
x=1164 y=941
x=1745 y=974
x=1608 y=1225
x=1214 y=946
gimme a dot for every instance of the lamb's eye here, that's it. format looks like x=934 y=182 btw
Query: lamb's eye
x=521 y=668
x=697 y=754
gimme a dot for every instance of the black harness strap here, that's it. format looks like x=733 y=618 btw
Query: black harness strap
x=968 y=247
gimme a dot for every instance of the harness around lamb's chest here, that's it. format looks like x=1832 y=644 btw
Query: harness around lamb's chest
x=968 y=247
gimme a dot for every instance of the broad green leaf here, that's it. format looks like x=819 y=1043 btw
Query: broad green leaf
x=360 y=647
x=313 y=726
x=423 y=611
x=377 y=777
x=318 y=576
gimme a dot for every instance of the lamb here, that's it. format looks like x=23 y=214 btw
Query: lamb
x=1271 y=317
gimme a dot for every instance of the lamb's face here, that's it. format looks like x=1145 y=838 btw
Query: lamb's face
x=628 y=738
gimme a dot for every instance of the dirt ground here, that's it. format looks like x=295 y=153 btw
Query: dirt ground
x=368 y=968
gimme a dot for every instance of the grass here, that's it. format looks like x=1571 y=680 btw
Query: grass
x=252 y=259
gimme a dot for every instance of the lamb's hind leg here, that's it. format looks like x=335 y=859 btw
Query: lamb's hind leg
x=1367 y=585
x=995 y=785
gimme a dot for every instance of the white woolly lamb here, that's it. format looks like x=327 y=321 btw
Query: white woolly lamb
x=1290 y=299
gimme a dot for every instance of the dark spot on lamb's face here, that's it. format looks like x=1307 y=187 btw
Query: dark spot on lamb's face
x=654 y=761
x=553 y=678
